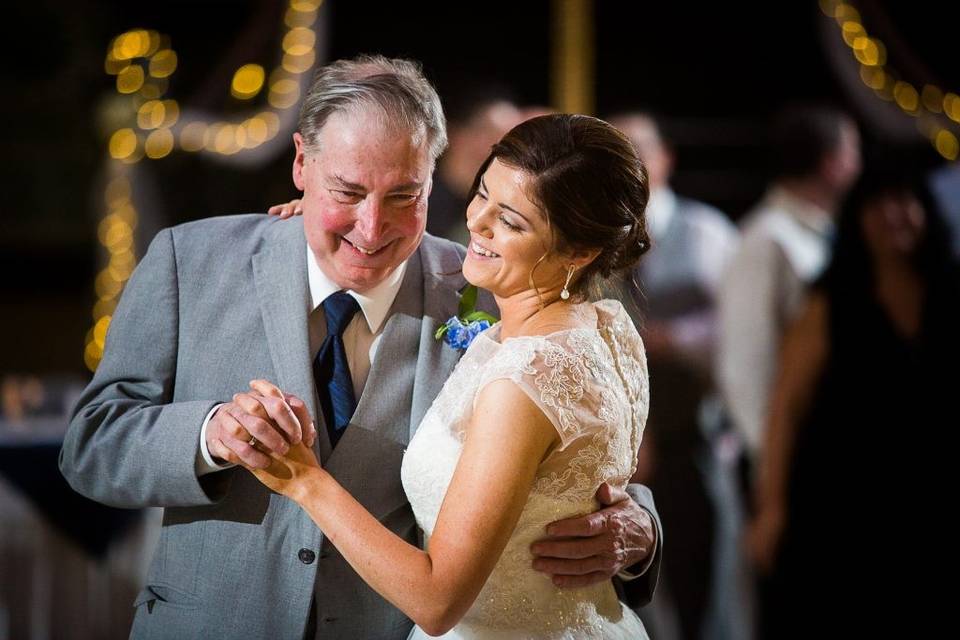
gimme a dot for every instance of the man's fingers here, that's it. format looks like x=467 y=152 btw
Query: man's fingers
x=266 y=388
x=250 y=404
x=582 y=567
x=300 y=410
x=573 y=548
x=608 y=495
x=246 y=454
x=294 y=423
x=219 y=450
x=272 y=409
x=268 y=437
x=582 y=526
x=575 y=582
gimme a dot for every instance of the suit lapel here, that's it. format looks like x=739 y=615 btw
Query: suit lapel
x=280 y=275
x=435 y=360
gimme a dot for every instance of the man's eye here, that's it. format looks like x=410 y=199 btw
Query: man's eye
x=405 y=197
x=346 y=195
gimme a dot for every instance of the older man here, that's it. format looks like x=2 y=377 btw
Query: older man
x=222 y=301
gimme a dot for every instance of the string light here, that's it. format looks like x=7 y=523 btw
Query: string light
x=143 y=62
x=927 y=104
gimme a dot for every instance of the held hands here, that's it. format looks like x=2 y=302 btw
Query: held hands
x=287 y=472
x=287 y=210
x=253 y=426
x=589 y=549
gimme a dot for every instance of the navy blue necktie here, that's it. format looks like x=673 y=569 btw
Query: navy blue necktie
x=330 y=368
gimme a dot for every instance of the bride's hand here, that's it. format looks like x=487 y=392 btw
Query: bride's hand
x=288 y=474
x=287 y=210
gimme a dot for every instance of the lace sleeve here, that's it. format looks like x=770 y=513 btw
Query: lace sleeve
x=560 y=374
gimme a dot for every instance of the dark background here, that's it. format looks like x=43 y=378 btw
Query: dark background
x=713 y=72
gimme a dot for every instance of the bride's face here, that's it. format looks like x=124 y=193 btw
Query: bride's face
x=509 y=235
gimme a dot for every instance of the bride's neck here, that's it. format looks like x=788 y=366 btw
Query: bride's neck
x=522 y=313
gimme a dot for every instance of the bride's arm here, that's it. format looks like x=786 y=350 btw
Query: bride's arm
x=480 y=510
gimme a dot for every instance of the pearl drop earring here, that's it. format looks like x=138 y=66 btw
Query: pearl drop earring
x=565 y=293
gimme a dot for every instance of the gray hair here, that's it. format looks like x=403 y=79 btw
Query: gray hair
x=395 y=86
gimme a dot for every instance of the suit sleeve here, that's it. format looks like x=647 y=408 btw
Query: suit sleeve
x=639 y=591
x=128 y=444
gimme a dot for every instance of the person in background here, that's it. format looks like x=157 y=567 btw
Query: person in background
x=699 y=596
x=785 y=245
x=478 y=114
x=859 y=421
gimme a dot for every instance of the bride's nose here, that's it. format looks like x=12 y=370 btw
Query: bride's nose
x=478 y=219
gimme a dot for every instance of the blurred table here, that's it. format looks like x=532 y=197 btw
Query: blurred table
x=69 y=567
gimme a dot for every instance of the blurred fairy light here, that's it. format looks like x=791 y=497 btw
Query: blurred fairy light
x=247 y=81
x=163 y=64
x=926 y=104
x=143 y=62
x=947 y=144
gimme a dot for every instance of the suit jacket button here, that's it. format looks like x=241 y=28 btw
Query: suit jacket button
x=306 y=556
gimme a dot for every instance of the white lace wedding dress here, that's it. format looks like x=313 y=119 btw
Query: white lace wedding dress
x=592 y=385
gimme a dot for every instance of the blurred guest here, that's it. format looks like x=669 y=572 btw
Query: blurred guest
x=856 y=425
x=678 y=281
x=945 y=185
x=478 y=115
x=784 y=247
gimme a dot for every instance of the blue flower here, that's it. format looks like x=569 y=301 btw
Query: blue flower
x=459 y=335
x=460 y=330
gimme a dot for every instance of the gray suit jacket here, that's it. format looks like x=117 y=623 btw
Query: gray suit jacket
x=212 y=305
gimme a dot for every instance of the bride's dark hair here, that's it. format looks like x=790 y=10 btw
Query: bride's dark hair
x=590 y=182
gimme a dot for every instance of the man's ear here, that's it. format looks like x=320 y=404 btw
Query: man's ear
x=298 y=160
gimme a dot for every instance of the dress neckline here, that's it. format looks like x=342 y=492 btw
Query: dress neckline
x=492 y=334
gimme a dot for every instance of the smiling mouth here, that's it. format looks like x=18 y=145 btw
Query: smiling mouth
x=363 y=250
x=477 y=249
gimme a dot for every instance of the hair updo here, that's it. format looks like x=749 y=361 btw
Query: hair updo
x=591 y=184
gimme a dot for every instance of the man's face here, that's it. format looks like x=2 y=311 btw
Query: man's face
x=645 y=136
x=842 y=166
x=365 y=187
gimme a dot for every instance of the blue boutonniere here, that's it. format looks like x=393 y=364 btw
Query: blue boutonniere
x=460 y=330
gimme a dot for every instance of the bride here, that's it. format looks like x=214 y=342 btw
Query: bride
x=543 y=408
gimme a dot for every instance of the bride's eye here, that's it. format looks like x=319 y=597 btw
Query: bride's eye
x=508 y=224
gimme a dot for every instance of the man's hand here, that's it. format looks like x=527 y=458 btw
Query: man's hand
x=589 y=549
x=275 y=421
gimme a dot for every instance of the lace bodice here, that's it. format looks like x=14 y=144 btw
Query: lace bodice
x=592 y=386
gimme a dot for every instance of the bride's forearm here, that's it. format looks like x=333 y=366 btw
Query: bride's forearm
x=400 y=572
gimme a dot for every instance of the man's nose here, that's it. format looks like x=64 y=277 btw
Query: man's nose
x=371 y=222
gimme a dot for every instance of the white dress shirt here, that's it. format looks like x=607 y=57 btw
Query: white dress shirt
x=785 y=246
x=360 y=339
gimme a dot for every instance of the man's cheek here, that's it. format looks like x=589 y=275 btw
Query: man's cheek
x=334 y=220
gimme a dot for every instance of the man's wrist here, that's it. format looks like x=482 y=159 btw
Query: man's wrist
x=205 y=462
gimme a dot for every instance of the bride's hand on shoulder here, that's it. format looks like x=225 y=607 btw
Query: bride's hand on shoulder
x=286 y=210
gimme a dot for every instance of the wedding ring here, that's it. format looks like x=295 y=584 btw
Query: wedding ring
x=252 y=442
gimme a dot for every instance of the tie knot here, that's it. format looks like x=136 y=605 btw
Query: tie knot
x=339 y=308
